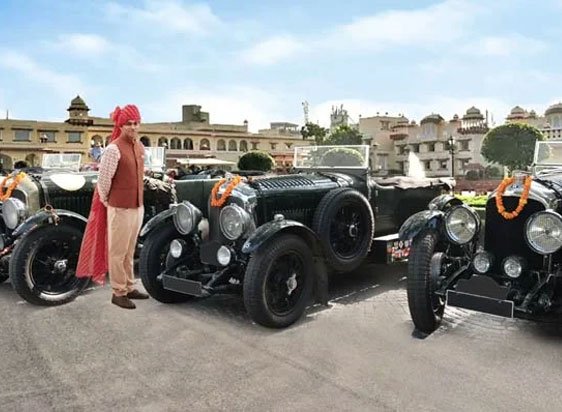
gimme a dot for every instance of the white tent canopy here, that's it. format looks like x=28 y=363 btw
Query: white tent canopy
x=204 y=162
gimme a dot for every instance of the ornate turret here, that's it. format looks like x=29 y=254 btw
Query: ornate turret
x=432 y=118
x=473 y=122
x=78 y=113
x=555 y=108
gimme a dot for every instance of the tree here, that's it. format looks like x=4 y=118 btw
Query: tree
x=511 y=145
x=256 y=160
x=345 y=135
x=312 y=130
x=342 y=156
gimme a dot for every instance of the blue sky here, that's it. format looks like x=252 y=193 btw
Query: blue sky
x=258 y=60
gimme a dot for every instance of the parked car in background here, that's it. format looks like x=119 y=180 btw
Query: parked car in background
x=514 y=267
x=42 y=220
x=274 y=238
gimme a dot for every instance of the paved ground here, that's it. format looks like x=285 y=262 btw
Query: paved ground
x=359 y=354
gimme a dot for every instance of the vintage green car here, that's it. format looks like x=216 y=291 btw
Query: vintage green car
x=42 y=223
x=276 y=237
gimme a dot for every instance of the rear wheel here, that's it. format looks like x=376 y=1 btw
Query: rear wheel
x=43 y=265
x=424 y=270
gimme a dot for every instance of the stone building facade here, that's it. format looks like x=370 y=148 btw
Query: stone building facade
x=192 y=137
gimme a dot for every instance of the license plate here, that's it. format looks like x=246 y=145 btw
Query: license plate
x=185 y=286
x=480 y=303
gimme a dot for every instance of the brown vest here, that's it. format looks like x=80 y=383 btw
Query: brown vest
x=127 y=188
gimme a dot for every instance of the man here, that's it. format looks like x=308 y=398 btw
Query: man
x=120 y=191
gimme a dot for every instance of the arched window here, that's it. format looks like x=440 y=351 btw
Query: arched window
x=243 y=146
x=232 y=146
x=221 y=145
x=145 y=141
x=163 y=142
x=188 y=144
x=175 y=143
x=205 y=145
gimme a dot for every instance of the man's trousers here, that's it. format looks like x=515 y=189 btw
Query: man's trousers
x=123 y=226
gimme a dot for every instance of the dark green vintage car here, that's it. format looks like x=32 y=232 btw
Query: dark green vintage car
x=276 y=238
x=42 y=223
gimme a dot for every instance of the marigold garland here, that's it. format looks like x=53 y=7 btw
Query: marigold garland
x=218 y=202
x=522 y=200
x=15 y=182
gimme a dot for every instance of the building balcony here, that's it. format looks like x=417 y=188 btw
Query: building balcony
x=398 y=136
x=473 y=130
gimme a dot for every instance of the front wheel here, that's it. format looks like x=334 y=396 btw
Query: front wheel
x=43 y=265
x=424 y=269
x=278 y=281
x=153 y=261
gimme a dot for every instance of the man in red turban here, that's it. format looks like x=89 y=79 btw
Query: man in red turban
x=117 y=211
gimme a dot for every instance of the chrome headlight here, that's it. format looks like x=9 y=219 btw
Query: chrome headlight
x=234 y=221
x=482 y=262
x=461 y=224
x=14 y=212
x=513 y=266
x=186 y=218
x=543 y=232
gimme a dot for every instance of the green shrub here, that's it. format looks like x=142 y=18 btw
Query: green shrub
x=256 y=160
x=472 y=175
x=341 y=157
x=474 y=201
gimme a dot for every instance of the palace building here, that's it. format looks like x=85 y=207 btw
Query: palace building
x=192 y=137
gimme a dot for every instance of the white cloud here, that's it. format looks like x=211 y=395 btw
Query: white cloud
x=439 y=23
x=170 y=15
x=428 y=27
x=62 y=84
x=232 y=105
x=82 y=44
x=504 y=46
x=272 y=50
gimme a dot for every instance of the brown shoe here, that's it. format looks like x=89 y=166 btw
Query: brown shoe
x=135 y=294
x=123 y=302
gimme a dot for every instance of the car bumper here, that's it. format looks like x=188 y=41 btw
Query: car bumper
x=482 y=294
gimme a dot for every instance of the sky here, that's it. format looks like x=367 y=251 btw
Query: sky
x=259 y=60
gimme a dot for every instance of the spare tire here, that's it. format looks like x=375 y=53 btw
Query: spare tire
x=345 y=225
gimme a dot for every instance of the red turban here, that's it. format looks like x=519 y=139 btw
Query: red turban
x=93 y=261
x=121 y=116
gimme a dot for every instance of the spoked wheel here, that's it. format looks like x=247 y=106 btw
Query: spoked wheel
x=153 y=261
x=278 y=282
x=424 y=275
x=43 y=265
x=345 y=224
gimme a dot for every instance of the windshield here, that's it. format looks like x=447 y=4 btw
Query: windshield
x=548 y=154
x=155 y=158
x=70 y=161
x=336 y=157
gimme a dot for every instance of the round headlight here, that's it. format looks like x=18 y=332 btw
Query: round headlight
x=186 y=218
x=224 y=255
x=13 y=212
x=513 y=266
x=543 y=232
x=234 y=221
x=482 y=262
x=176 y=248
x=461 y=224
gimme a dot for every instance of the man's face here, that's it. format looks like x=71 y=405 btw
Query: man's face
x=130 y=129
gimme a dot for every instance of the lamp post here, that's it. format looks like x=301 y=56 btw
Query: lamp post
x=451 y=147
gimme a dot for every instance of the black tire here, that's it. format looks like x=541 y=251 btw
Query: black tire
x=43 y=265
x=267 y=278
x=426 y=308
x=345 y=225
x=153 y=259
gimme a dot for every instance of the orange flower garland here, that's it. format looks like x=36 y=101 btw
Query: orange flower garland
x=218 y=202
x=15 y=182
x=522 y=200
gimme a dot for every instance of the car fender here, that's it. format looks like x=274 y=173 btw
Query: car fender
x=275 y=227
x=415 y=223
x=46 y=217
x=156 y=221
